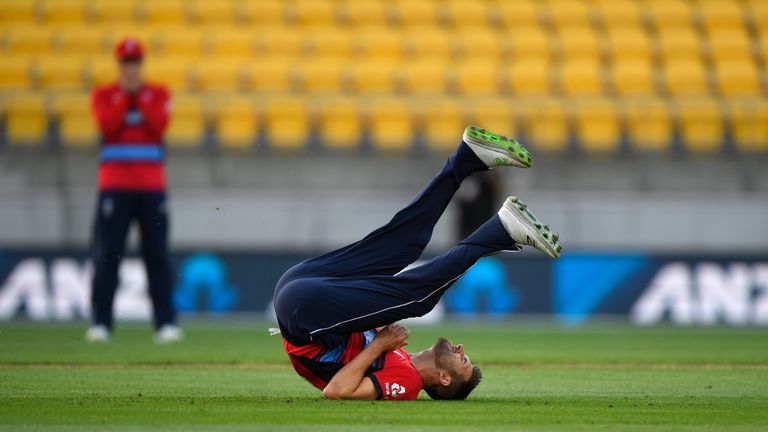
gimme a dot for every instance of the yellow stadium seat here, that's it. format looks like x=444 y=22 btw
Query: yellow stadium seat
x=749 y=124
x=376 y=76
x=578 y=42
x=18 y=12
x=313 y=13
x=474 y=77
x=443 y=123
x=365 y=13
x=730 y=44
x=119 y=12
x=546 y=126
x=633 y=77
x=28 y=40
x=424 y=76
x=629 y=43
x=213 y=12
x=700 y=123
x=77 y=127
x=328 y=43
x=171 y=72
x=529 y=77
x=235 y=122
x=222 y=75
x=428 y=43
x=239 y=44
x=737 y=78
x=260 y=12
x=15 y=73
x=26 y=119
x=721 y=14
x=286 y=123
x=648 y=124
x=677 y=43
x=757 y=10
x=339 y=124
x=463 y=13
x=102 y=71
x=567 y=13
x=81 y=41
x=380 y=43
x=280 y=41
x=581 y=77
x=479 y=44
x=528 y=42
x=390 y=125
x=272 y=75
x=63 y=11
x=187 y=126
x=165 y=12
x=685 y=77
x=597 y=126
x=616 y=14
x=670 y=13
x=321 y=75
x=61 y=73
x=764 y=42
x=180 y=42
x=515 y=13
x=495 y=114
x=417 y=13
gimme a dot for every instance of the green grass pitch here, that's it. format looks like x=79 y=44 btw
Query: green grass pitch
x=234 y=377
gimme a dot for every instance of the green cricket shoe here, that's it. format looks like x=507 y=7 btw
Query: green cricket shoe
x=526 y=229
x=497 y=150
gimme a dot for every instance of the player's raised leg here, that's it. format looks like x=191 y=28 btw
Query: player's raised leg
x=320 y=309
x=400 y=242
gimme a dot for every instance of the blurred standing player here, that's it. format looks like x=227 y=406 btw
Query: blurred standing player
x=132 y=116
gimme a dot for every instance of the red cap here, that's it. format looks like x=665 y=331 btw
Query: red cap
x=129 y=49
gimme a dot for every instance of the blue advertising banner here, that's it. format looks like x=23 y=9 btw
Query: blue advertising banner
x=648 y=289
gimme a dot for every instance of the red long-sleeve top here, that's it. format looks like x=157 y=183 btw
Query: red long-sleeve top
x=132 y=128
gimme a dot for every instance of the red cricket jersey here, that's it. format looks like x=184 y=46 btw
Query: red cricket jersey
x=132 y=127
x=392 y=373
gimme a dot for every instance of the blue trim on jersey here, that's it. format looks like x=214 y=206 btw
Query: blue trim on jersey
x=334 y=354
x=132 y=152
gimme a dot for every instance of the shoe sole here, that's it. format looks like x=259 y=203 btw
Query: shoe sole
x=500 y=144
x=542 y=233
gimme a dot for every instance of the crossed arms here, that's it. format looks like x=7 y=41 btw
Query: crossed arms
x=350 y=382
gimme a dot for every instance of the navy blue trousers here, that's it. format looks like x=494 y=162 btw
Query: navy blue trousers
x=362 y=286
x=115 y=212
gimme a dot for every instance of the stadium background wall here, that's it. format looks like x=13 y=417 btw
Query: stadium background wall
x=645 y=288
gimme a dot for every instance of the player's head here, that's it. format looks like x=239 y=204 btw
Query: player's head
x=129 y=54
x=453 y=376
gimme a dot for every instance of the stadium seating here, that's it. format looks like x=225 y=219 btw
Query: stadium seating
x=235 y=122
x=187 y=126
x=442 y=123
x=75 y=124
x=26 y=119
x=339 y=124
x=286 y=123
x=553 y=69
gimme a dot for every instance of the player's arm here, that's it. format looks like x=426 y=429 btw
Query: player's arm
x=109 y=116
x=157 y=111
x=350 y=382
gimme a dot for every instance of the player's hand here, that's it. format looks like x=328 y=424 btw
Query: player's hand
x=392 y=337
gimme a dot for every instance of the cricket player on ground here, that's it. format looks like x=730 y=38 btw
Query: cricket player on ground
x=329 y=308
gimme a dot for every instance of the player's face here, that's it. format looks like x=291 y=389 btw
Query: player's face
x=130 y=74
x=452 y=357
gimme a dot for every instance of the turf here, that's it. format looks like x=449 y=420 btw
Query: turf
x=233 y=377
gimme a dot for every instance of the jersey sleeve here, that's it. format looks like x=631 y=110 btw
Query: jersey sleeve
x=396 y=382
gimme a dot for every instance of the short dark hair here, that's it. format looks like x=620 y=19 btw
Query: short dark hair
x=458 y=389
